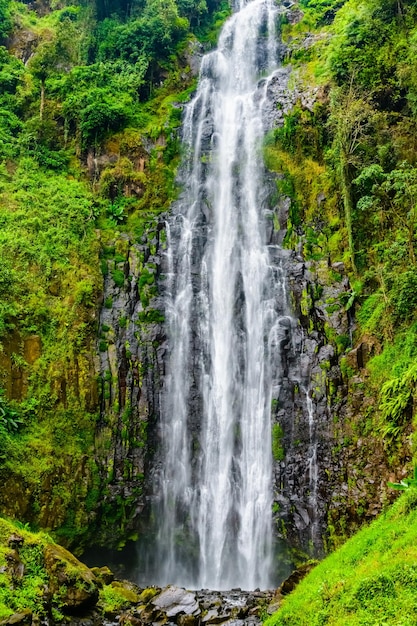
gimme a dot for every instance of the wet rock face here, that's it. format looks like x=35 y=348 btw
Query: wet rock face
x=303 y=412
x=329 y=479
x=278 y=98
x=130 y=364
x=192 y=56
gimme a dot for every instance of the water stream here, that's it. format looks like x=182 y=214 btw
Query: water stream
x=226 y=315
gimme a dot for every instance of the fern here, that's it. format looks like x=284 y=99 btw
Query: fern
x=396 y=403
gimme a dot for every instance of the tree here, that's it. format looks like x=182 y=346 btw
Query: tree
x=401 y=189
x=352 y=119
x=58 y=50
x=5 y=21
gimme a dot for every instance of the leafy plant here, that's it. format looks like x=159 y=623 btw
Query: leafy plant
x=278 y=453
x=116 y=212
x=405 y=483
x=396 y=399
x=10 y=419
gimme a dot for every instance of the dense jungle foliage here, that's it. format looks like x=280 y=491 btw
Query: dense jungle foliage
x=90 y=106
x=348 y=153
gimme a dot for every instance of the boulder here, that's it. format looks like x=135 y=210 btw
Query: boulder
x=103 y=575
x=71 y=583
x=173 y=601
x=295 y=577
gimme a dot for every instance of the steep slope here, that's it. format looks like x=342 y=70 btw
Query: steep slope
x=370 y=580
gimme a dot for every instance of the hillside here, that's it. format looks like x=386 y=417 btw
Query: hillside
x=370 y=580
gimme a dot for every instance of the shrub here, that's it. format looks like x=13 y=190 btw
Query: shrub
x=118 y=277
x=278 y=453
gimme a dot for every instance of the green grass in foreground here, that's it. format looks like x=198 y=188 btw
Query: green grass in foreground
x=370 y=581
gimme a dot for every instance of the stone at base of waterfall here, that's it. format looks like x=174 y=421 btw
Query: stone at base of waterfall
x=175 y=601
x=70 y=580
x=175 y=606
x=296 y=577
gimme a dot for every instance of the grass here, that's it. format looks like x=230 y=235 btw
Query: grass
x=397 y=357
x=371 y=580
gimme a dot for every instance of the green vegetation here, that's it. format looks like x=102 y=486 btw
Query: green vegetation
x=116 y=596
x=24 y=571
x=90 y=106
x=349 y=161
x=370 y=580
x=277 y=447
x=41 y=578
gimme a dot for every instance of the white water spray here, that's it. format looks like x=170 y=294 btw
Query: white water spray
x=226 y=314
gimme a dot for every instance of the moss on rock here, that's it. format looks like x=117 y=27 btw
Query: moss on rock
x=40 y=577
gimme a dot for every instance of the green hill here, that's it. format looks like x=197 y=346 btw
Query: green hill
x=371 y=580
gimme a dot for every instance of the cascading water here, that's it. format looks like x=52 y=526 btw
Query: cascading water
x=312 y=469
x=226 y=315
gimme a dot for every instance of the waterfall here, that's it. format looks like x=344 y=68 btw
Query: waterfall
x=312 y=470
x=227 y=317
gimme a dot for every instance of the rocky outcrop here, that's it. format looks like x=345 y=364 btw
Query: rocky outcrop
x=42 y=577
x=130 y=349
x=72 y=585
x=331 y=475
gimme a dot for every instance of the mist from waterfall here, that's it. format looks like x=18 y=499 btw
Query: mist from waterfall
x=226 y=316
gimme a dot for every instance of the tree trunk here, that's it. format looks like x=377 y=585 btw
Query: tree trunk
x=347 y=205
x=411 y=253
x=42 y=105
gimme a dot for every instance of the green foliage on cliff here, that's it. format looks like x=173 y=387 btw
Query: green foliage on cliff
x=277 y=447
x=349 y=159
x=370 y=580
x=360 y=126
x=90 y=106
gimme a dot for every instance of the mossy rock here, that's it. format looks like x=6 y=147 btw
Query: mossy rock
x=148 y=594
x=104 y=575
x=117 y=596
x=40 y=576
x=23 y=618
x=72 y=584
